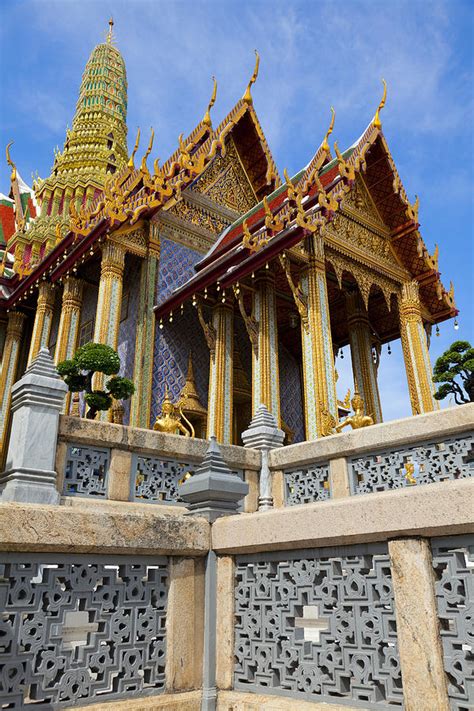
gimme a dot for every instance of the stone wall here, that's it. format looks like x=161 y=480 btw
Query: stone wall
x=340 y=597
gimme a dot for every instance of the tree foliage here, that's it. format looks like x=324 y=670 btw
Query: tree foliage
x=455 y=371
x=78 y=374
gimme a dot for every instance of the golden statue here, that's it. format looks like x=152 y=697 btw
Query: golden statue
x=410 y=473
x=358 y=419
x=169 y=423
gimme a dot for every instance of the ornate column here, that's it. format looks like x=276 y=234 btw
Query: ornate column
x=415 y=350
x=265 y=372
x=363 y=366
x=219 y=416
x=68 y=331
x=319 y=375
x=11 y=353
x=109 y=300
x=140 y=406
x=43 y=320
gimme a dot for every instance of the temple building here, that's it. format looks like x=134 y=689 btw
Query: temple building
x=222 y=283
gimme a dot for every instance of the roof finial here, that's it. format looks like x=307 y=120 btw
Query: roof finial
x=110 y=33
x=10 y=162
x=247 y=97
x=325 y=144
x=131 y=163
x=143 y=166
x=207 y=116
x=377 y=122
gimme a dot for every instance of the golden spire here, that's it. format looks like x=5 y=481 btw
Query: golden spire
x=207 y=116
x=247 y=97
x=377 y=122
x=143 y=166
x=10 y=162
x=110 y=33
x=325 y=144
x=131 y=163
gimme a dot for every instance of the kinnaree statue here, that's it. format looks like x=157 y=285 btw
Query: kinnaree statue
x=358 y=419
x=169 y=423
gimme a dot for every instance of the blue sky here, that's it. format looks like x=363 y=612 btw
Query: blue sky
x=313 y=55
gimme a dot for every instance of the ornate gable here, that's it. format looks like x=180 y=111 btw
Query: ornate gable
x=226 y=182
x=359 y=202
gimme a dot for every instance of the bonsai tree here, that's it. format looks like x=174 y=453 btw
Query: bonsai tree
x=79 y=371
x=456 y=362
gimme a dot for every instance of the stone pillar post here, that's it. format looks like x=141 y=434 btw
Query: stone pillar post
x=140 y=406
x=415 y=351
x=43 y=320
x=263 y=434
x=219 y=417
x=419 y=642
x=363 y=366
x=265 y=372
x=37 y=400
x=11 y=354
x=212 y=492
x=319 y=375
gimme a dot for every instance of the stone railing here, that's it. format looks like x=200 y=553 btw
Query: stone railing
x=430 y=448
x=344 y=602
x=105 y=461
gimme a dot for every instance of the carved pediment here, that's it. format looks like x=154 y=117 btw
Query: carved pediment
x=359 y=201
x=225 y=181
x=354 y=233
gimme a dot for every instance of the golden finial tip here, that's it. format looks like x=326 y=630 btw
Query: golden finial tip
x=247 y=97
x=110 y=33
x=325 y=144
x=207 y=116
x=377 y=122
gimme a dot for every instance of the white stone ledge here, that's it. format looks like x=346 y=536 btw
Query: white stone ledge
x=397 y=433
x=248 y=701
x=142 y=441
x=100 y=530
x=439 y=509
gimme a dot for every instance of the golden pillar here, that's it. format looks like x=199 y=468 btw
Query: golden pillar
x=265 y=372
x=415 y=350
x=140 y=406
x=11 y=354
x=319 y=374
x=219 y=416
x=109 y=300
x=109 y=303
x=68 y=331
x=363 y=366
x=43 y=320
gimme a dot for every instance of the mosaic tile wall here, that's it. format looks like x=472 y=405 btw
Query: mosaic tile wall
x=242 y=344
x=127 y=330
x=53 y=336
x=173 y=342
x=291 y=397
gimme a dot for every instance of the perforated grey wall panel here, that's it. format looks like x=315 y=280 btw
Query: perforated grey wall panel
x=75 y=629
x=453 y=563
x=156 y=480
x=86 y=471
x=308 y=484
x=318 y=625
x=451 y=458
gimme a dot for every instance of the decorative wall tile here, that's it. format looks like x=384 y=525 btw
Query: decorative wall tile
x=318 y=625
x=86 y=471
x=127 y=329
x=81 y=628
x=307 y=484
x=451 y=458
x=291 y=398
x=453 y=563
